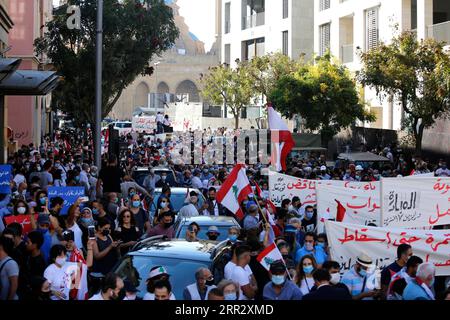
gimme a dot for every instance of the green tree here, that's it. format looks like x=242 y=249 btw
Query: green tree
x=133 y=34
x=415 y=73
x=324 y=94
x=227 y=86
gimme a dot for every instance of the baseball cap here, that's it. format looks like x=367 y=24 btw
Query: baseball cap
x=43 y=218
x=359 y=168
x=213 y=229
x=277 y=267
x=323 y=168
x=68 y=235
x=159 y=270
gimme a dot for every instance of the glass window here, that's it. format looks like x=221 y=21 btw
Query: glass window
x=285 y=39
x=285 y=9
x=324 y=5
x=203 y=230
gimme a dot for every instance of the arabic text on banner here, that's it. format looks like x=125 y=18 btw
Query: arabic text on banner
x=415 y=202
x=5 y=178
x=69 y=194
x=347 y=241
x=361 y=206
x=282 y=186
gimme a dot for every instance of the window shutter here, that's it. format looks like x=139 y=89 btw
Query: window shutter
x=371 y=28
x=324 y=38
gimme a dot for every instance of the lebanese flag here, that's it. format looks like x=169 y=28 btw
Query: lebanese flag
x=80 y=285
x=234 y=190
x=269 y=255
x=281 y=138
x=340 y=211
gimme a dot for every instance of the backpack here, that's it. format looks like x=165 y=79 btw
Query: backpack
x=1 y=269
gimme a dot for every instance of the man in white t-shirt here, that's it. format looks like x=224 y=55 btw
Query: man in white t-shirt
x=231 y=265
x=247 y=283
x=112 y=285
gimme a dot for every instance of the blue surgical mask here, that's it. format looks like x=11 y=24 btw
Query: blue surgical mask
x=363 y=273
x=87 y=221
x=94 y=211
x=136 y=203
x=42 y=200
x=132 y=194
x=309 y=214
x=77 y=178
x=230 y=296
x=308 y=269
x=278 y=280
x=233 y=237
x=321 y=244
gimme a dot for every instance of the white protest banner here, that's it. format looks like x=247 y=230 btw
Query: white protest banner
x=347 y=241
x=146 y=124
x=357 y=206
x=421 y=175
x=282 y=186
x=419 y=202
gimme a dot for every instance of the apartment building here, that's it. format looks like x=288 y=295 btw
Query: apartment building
x=347 y=26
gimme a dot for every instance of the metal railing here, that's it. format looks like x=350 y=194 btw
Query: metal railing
x=439 y=31
x=347 y=53
x=254 y=20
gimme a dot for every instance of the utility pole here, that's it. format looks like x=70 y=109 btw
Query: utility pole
x=98 y=86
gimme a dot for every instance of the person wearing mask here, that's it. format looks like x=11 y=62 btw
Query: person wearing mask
x=128 y=183
x=73 y=214
x=233 y=234
x=299 y=233
x=105 y=248
x=56 y=205
x=230 y=290
x=310 y=248
x=247 y=283
x=9 y=271
x=213 y=233
x=211 y=207
x=309 y=222
x=59 y=273
x=140 y=216
x=111 y=288
x=86 y=219
x=109 y=177
x=41 y=204
x=42 y=225
x=190 y=209
x=401 y=279
x=163 y=290
x=404 y=251
x=84 y=177
x=421 y=288
x=251 y=219
x=356 y=279
x=333 y=269
x=127 y=231
x=162 y=182
x=112 y=207
x=196 y=181
x=130 y=291
x=325 y=290
x=46 y=179
x=21 y=192
x=150 y=181
x=322 y=242
x=204 y=282
x=280 y=288
x=93 y=173
x=166 y=193
x=187 y=179
x=192 y=232
x=74 y=255
x=157 y=273
x=164 y=227
x=442 y=170
x=285 y=253
x=305 y=269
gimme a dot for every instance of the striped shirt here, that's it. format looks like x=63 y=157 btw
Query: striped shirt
x=355 y=282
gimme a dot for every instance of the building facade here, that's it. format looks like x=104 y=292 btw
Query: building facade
x=28 y=115
x=347 y=26
x=257 y=27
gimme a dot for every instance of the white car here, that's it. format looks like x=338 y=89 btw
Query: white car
x=124 y=127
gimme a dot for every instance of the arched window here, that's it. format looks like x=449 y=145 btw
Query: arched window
x=141 y=95
x=187 y=87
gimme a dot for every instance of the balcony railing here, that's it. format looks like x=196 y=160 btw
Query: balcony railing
x=254 y=20
x=347 y=53
x=439 y=32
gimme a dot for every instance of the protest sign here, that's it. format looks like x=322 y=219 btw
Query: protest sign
x=357 y=206
x=5 y=178
x=69 y=194
x=282 y=186
x=147 y=124
x=347 y=241
x=22 y=219
x=416 y=202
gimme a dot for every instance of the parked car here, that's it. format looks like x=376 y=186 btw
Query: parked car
x=223 y=223
x=180 y=257
x=139 y=174
x=177 y=198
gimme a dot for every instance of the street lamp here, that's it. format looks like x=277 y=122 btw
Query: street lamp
x=98 y=85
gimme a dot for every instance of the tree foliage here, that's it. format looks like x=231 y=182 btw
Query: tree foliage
x=416 y=73
x=324 y=94
x=133 y=34
x=231 y=87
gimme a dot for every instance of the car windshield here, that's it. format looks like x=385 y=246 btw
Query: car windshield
x=176 y=199
x=203 y=230
x=137 y=268
x=139 y=177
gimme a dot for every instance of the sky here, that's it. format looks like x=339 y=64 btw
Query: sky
x=199 y=16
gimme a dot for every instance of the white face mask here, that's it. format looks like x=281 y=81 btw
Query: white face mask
x=60 y=261
x=21 y=210
x=163 y=204
x=335 y=278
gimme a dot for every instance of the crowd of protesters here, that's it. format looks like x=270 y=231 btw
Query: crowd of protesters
x=57 y=257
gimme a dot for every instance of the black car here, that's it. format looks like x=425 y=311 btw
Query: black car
x=180 y=257
x=139 y=173
x=223 y=223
